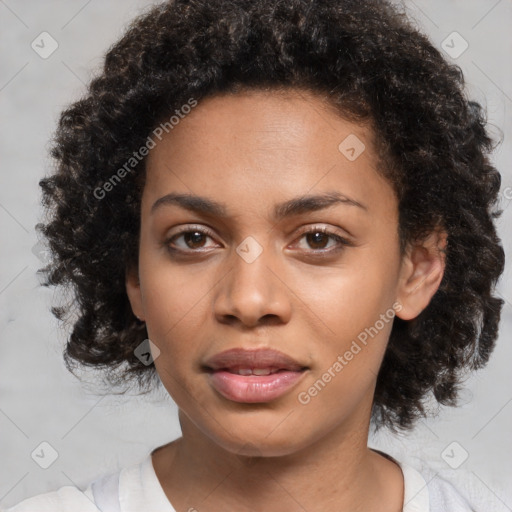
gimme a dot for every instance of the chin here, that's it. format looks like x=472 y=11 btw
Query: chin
x=262 y=437
x=261 y=447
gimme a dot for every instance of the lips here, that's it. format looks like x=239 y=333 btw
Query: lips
x=253 y=376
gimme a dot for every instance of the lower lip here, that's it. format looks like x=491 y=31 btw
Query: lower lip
x=253 y=388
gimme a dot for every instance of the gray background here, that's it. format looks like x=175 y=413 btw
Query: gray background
x=94 y=434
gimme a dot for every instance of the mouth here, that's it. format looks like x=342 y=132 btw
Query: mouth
x=253 y=376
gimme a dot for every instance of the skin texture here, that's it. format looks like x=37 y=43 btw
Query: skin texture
x=251 y=151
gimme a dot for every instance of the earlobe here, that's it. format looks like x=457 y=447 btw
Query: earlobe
x=134 y=293
x=421 y=274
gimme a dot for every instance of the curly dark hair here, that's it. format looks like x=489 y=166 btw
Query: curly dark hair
x=372 y=65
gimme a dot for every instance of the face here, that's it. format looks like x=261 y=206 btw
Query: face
x=269 y=269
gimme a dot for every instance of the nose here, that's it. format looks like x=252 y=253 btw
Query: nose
x=253 y=293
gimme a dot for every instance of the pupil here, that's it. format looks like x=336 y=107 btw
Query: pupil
x=194 y=237
x=317 y=238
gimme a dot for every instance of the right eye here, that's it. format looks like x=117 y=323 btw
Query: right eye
x=193 y=238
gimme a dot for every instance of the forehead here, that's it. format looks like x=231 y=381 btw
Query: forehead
x=254 y=145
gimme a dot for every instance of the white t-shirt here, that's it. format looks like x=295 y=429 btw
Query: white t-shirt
x=137 y=488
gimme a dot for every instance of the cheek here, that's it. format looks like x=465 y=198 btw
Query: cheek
x=176 y=306
x=350 y=298
x=354 y=306
x=175 y=301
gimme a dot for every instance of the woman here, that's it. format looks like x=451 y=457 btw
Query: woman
x=283 y=212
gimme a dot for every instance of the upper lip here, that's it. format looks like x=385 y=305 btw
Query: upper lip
x=257 y=358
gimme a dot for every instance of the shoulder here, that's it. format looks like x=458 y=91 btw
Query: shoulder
x=426 y=491
x=130 y=489
x=63 y=500
x=443 y=495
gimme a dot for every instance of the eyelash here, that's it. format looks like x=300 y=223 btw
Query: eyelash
x=342 y=242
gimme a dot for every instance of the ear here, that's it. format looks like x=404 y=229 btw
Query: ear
x=134 y=292
x=421 y=274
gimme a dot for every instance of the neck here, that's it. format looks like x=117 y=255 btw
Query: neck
x=336 y=473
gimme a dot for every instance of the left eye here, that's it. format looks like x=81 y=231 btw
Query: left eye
x=318 y=239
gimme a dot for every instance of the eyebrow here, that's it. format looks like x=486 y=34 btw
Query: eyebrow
x=295 y=206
